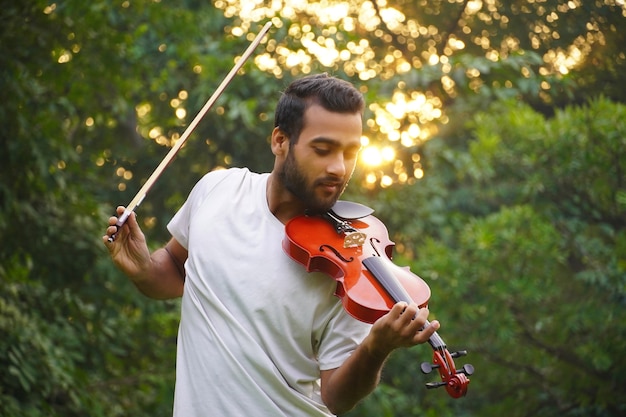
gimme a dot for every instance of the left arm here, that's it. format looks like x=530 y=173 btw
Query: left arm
x=344 y=387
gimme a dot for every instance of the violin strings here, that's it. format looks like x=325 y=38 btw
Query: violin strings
x=397 y=292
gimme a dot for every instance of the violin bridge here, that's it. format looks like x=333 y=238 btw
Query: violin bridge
x=354 y=239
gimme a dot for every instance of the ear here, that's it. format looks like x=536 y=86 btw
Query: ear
x=280 y=142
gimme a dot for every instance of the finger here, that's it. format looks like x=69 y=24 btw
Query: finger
x=409 y=314
x=397 y=310
x=124 y=216
x=115 y=230
x=110 y=236
x=421 y=316
x=427 y=331
x=435 y=325
x=111 y=230
x=133 y=225
x=414 y=323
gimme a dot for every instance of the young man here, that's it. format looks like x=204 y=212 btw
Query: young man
x=259 y=336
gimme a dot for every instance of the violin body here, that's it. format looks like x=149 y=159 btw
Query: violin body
x=362 y=295
x=357 y=253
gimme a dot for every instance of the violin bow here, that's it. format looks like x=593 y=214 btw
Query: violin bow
x=207 y=106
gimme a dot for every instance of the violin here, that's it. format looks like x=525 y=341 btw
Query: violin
x=352 y=246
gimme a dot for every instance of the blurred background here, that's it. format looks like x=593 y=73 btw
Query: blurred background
x=494 y=150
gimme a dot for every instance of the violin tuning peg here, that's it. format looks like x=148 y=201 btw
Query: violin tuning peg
x=428 y=367
x=458 y=353
x=467 y=369
x=432 y=385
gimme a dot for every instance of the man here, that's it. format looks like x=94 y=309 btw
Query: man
x=259 y=336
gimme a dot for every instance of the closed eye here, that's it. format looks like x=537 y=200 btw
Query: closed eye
x=322 y=151
x=325 y=146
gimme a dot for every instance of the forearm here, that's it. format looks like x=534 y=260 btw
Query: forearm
x=403 y=326
x=344 y=387
x=162 y=279
x=158 y=275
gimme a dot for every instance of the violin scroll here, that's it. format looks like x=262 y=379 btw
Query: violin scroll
x=455 y=380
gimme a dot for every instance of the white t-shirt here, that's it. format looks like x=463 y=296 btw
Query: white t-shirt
x=256 y=328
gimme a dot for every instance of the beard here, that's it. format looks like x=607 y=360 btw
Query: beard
x=296 y=183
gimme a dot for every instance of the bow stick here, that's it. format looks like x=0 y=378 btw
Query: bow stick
x=170 y=155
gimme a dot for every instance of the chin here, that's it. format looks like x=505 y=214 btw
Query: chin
x=322 y=206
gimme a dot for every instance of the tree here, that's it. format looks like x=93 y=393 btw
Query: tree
x=426 y=66
x=96 y=93
x=73 y=329
x=521 y=237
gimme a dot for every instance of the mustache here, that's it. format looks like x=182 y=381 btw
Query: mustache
x=330 y=181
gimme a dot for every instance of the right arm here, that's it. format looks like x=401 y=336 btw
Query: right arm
x=159 y=275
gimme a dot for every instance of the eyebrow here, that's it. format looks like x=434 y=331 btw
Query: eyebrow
x=334 y=142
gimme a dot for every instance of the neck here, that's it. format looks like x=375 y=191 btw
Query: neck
x=282 y=203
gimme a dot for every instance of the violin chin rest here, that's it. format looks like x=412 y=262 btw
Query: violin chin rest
x=348 y=210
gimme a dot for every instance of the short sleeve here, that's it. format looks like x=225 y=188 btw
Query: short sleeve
x=179 y=225
x=341 y=337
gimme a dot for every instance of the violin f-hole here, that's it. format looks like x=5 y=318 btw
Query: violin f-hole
x=337 y=253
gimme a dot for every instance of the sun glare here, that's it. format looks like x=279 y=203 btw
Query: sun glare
x=371 y=156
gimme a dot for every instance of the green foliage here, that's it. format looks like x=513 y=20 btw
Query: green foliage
x=529 y=272
x=72 y=353
x=73 y=341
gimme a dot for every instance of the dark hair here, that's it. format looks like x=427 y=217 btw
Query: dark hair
x=333 y=94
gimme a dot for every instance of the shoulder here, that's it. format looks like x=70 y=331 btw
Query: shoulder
x=214 y=178
x=222 y=174
x=225 y=182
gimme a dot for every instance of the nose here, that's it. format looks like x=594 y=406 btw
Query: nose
x=337 y=166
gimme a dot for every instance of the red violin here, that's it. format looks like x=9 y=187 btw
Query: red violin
x=353 y=247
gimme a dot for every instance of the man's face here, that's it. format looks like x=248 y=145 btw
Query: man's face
x=317 y=168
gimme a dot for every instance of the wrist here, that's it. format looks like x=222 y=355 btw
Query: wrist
x=143 y=271
x=378 y=352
